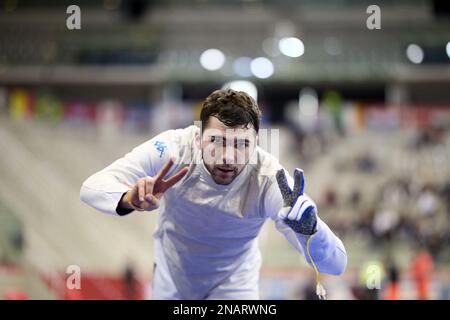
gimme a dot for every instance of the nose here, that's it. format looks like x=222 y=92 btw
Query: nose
x=228 y=155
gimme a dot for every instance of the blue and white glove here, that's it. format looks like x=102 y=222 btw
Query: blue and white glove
x=298 y=212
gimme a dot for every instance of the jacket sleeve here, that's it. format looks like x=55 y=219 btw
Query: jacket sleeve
x=326 y=249
x=104 y=189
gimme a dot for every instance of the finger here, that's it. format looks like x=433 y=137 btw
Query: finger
x=145 y=205
x=175 y=178
x=133 y=195
x=293 y=215
x=299 y=182
x=164 y=169
x=309 y=220
x=152 y=200
x=141 y=190
x=283 y=185
x=296 y=212
x=149 y=186
x=283 y=213
x=308 y=211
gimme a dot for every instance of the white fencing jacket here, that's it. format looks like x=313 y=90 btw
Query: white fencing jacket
x=206 y=237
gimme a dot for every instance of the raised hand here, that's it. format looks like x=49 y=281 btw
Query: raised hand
x=147 y=192
x=299 y=212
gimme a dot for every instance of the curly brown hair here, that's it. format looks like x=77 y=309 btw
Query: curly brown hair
x=233 y=108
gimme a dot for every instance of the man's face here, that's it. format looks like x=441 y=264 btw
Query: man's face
x=226 y=151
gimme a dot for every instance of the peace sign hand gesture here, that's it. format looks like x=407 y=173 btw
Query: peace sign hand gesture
x=147 y=192
x=299 y=212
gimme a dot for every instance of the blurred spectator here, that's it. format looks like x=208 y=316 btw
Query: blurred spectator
x=130 y=282
x=392 y=287
x=421 y=269
x=445 y=194
x=385 y=223
x=364 y=222
x=330 y=198
x=355 y=198
x=435 y=243
x=427 y=203
x=395 y=193
x=429 y=136
x=366 y=163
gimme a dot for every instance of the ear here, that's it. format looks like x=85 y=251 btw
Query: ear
x=197 y=138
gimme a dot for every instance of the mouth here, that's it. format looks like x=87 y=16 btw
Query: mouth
x=226 y=172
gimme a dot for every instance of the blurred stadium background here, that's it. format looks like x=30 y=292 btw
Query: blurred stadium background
x=366 y=114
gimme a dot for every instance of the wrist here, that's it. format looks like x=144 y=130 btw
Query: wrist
x=123 y=208
x=123 y=204
x=128 y=197
x=127 y=202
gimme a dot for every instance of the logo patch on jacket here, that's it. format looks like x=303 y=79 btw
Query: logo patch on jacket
x=161 y=147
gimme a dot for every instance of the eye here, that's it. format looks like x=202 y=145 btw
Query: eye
x=240 y=144
x=217 y=140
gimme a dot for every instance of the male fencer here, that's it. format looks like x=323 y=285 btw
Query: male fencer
x=214 y=188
